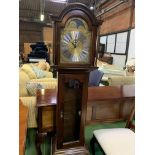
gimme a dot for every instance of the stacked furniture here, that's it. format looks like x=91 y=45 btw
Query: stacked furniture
x=39 y=52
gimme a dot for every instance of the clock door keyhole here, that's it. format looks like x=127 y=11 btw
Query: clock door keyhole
x=61 y=114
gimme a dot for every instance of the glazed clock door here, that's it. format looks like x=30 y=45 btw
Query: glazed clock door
x=71 y=109
x=75 y=42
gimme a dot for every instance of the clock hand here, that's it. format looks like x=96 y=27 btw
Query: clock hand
x=74 y=43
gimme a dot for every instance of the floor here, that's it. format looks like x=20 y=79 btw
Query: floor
x=46 y=146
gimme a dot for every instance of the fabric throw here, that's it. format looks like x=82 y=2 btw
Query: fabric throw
x=32 y=87
x=39 y=73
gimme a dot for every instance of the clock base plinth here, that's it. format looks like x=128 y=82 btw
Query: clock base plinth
x=79 y=150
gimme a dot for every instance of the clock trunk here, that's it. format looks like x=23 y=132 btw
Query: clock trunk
x=72 y=96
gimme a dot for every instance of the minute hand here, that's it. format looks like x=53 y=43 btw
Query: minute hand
x=75 y=43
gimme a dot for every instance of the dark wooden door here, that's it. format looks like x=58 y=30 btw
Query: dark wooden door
x=71 y=109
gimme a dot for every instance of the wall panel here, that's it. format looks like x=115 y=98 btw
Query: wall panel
x=116 y=23
x=29 y=33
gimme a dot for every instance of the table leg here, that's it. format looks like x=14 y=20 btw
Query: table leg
x=39 y=139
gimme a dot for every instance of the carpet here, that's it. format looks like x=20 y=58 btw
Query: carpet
x=46 y=145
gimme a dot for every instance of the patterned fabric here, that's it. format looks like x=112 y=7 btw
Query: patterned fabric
x=39 y=73
x=32 y=87
x=30 y=102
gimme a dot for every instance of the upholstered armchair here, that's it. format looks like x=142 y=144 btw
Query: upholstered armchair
x=29 y=81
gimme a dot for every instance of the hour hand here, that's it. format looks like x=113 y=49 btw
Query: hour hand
x=74 y=44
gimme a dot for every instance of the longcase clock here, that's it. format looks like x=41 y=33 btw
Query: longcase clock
x=74 y=56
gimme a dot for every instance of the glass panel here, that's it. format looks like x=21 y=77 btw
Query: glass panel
x=121 y=43
x=111 y=43
x=75 y=42
x=72 y=110
x=103 y=39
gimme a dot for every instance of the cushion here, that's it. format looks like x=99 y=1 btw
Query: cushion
x=47 y=66
x=39 y=73
x=27 y=68
x=32 y=87
x=42 y=65
x=118 y=141
x=48 y=74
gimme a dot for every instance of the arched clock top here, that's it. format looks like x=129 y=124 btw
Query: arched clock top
x=75 y=32
x=76 y=8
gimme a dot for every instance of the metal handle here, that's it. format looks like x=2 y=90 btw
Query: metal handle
x=79 y=112
x=61 y=114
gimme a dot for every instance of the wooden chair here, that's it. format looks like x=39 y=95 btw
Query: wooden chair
x=116 y=141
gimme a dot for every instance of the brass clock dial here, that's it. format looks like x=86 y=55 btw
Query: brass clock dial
x=75 y=42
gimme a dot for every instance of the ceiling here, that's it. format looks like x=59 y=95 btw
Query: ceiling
x=30 y=10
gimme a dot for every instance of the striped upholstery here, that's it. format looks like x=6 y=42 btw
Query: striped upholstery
x=121 y=80
x=47 y=83
x=48 y=74
x=30 y=102
x=27 y=75
x=44 y=80
x=29 y=71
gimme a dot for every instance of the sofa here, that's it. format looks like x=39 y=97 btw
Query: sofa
x=114 y=75
x=34 y=76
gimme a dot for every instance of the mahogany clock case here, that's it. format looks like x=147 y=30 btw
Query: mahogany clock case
x=75 y=31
